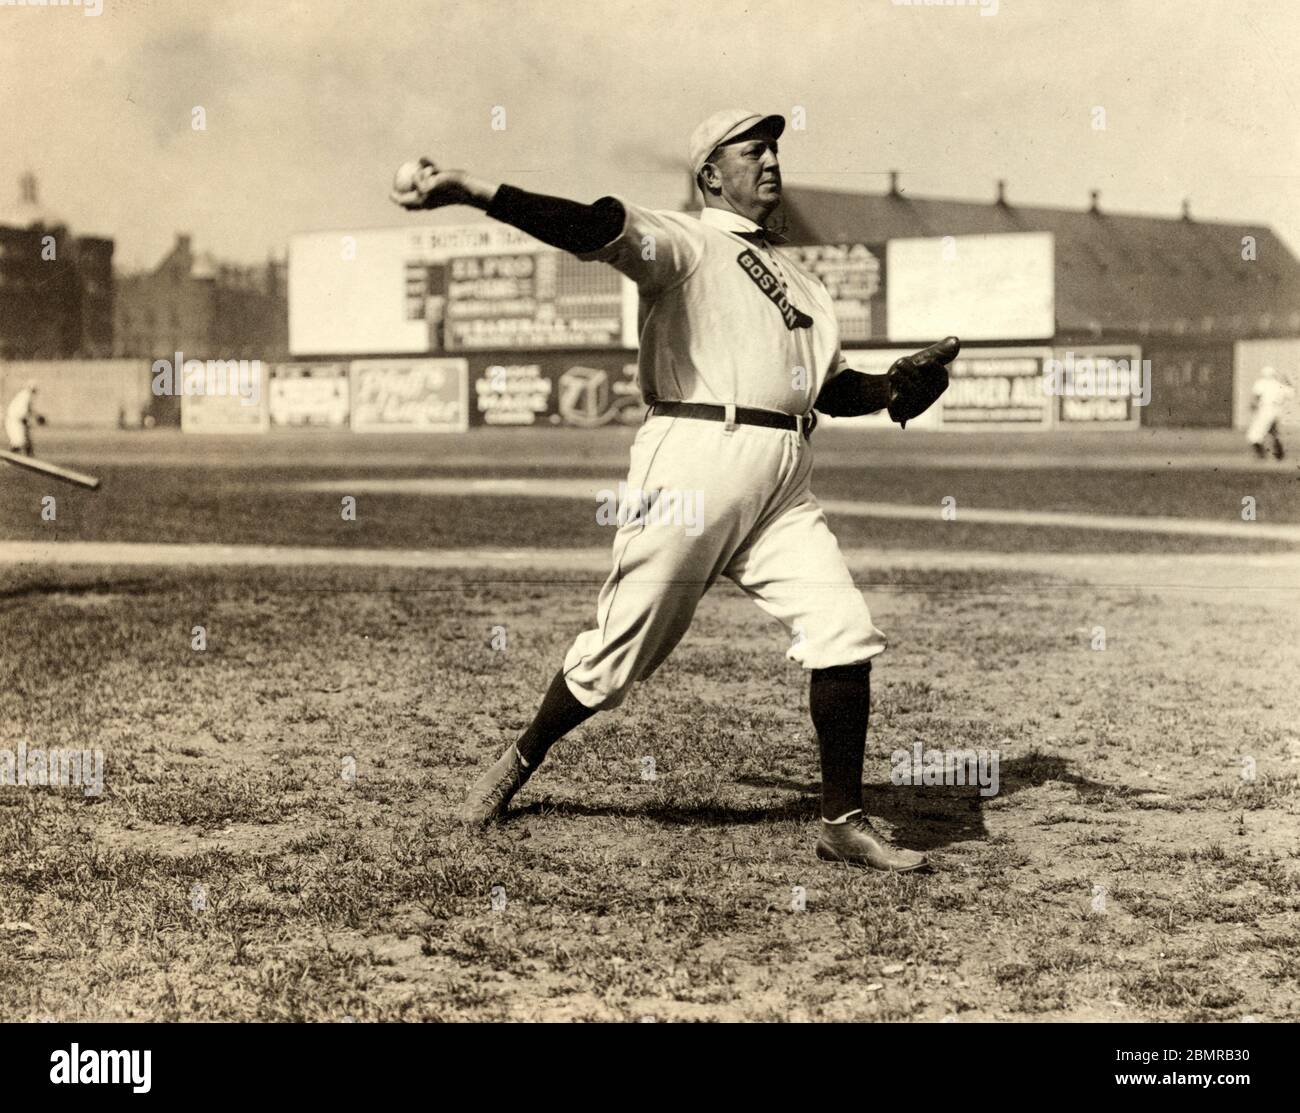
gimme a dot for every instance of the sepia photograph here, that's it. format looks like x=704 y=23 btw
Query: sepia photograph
x=642 y=511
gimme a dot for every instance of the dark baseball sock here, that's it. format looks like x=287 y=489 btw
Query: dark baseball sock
x=558 y=715
x=840 y=701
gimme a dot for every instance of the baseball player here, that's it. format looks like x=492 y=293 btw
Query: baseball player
x=1269 y=396
x=20 y=416
x=737 y=349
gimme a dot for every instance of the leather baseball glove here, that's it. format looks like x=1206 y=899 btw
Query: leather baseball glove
x=916 y=381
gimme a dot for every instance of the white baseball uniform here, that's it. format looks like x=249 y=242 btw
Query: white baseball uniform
x=17 y=415
x=730 y=322
x=1271 y=395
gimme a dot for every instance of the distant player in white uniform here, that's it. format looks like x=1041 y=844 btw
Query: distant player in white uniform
x=1268 y=397
x=20 y=416
x=737 y=347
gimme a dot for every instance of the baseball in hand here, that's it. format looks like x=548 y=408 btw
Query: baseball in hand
x=408 y=174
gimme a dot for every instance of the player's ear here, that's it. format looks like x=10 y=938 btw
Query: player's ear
x=710 y=178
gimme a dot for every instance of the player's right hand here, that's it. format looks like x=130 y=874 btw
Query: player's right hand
x=433 y=189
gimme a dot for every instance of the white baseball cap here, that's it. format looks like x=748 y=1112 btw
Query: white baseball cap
x=726 y=125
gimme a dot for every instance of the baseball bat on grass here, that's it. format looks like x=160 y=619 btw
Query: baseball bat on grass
x=31 y=463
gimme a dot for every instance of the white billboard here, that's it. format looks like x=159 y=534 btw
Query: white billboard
x=995 y=287
x=377 y=291
x=308 y=394
x=223 y=397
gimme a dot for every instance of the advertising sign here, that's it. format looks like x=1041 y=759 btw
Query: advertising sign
x=997 y=387
x=1103 y=387
x=409 y=395
x=512 y=394
x=583 y=391
x=309 y=394
x=216 y=406
x=854 y=275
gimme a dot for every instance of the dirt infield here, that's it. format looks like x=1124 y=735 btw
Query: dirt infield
x=274 y=840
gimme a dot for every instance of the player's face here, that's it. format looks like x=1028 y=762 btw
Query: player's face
x=751 y=175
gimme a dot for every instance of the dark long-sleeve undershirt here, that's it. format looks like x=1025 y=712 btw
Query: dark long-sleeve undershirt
x=568 y=225
x=852 y=393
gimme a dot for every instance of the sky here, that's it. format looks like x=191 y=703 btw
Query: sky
x=310 y=105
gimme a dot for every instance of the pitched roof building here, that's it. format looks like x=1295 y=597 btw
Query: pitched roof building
x=1118 y=276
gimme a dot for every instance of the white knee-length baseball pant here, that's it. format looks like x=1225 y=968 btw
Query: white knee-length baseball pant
x=758 y=524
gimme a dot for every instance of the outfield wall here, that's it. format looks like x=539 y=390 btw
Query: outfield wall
x=86 y=393
x=991 y=389
x=1191 y=385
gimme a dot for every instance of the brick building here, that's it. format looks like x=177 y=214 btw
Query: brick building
x=56 y=289
x=207 y=309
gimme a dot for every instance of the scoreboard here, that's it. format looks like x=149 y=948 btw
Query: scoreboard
x=542 y=299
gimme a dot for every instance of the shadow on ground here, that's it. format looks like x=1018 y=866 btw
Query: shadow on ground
x=926 y=817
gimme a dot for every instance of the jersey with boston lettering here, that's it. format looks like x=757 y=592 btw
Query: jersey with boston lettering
x=726 y=318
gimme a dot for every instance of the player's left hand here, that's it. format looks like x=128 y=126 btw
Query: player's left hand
x=917 y=381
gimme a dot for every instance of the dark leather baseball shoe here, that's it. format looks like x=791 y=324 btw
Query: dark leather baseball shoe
x=855 y=842
x=492 y=792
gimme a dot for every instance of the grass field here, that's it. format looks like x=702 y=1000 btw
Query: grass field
x=274 y=840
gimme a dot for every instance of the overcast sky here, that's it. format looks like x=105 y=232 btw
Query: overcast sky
x=311 y=104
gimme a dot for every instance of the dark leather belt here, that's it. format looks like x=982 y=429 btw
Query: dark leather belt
x=769 y=419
